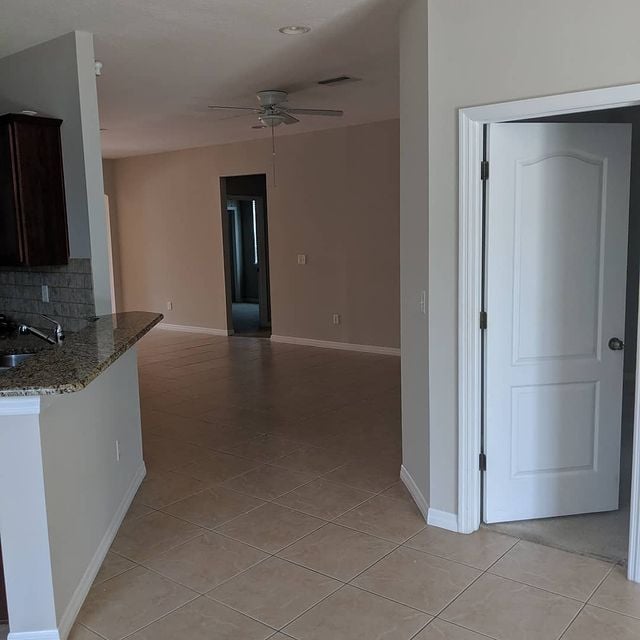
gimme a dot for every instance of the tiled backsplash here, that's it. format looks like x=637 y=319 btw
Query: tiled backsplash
x=70 y=294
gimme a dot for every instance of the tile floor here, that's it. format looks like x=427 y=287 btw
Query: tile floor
x=272 y=509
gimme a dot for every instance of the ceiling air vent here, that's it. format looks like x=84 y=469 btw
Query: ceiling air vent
x=337 y=80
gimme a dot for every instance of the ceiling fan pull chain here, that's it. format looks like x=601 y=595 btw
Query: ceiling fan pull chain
x=273 y=153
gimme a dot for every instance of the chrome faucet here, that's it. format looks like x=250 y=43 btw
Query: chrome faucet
x=55 y=337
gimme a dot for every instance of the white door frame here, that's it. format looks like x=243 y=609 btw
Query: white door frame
x=471 y=121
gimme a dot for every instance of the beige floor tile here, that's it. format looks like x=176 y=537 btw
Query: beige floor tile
x=151 y=535
x=221 y=438
x=130 y=601
x=77 y=633
x=265 y=448
x=337 y=551
x=353 y=614
x=480 y=549
x=618 y=594
x=269 y=482
x=137 y=510
x=421 y=581
x=270 y=527
x=390 y=519
x=112 y=566
x=440 y=630
x=507 y=610
x=204 y=619
x=218 y=467
x=206 y=561
x=367 y=476
x=212 y=507
x=163 y=454
x=565 y=573
x=324 y=499
x=315 y=409
x=600 y=624
x=397 y=491
x=312 y=460
x=161 y=488
x=275 y=591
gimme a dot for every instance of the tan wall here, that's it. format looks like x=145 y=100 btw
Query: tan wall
x=479 y=53
x=336 y=199
x=414 y=194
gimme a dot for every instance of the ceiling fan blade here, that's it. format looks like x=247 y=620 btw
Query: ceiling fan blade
x=217 y=106
x=244 y=114
x=288 y=118
x=316 y=112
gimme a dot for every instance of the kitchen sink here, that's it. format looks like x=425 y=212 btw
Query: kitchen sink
x=10 y=360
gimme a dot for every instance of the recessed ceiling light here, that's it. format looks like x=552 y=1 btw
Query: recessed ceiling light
x=294 y=30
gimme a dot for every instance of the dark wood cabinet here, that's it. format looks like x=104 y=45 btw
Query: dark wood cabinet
x=33 y=214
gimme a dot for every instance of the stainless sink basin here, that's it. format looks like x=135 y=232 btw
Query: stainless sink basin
x=10 y=360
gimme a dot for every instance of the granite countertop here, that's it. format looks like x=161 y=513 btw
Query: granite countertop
x=81 y=358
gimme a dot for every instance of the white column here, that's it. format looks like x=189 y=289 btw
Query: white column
x=23 y=522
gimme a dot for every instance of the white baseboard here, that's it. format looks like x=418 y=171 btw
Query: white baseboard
x=73 y=608
x=443 y=520
x=344 y=346
x=51 y=634
x=416 y=494
x=187 y=329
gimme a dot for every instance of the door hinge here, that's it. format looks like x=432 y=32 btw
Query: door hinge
x=483 y=320
x=484 y=170
x=482 y=462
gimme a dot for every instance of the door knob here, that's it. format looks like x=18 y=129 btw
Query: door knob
x=615 y=344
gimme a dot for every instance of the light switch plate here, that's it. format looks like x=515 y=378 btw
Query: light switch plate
x=302 y=258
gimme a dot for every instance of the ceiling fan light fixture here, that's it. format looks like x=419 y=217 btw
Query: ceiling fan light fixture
x=271 y=119
x=294 y=29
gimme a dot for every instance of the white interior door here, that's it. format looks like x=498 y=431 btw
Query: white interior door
x=557 y=225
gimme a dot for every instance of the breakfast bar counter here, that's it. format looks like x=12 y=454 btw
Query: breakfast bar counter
x=70 y=464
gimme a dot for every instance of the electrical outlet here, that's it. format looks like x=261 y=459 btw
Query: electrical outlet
x=45 y=293
x=302 y=258
x=336 y=318
x=169 y=305
x=117 y=451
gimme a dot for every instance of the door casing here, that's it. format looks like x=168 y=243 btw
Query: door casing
x=470 y=277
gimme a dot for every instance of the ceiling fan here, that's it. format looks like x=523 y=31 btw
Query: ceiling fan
x=274 y=110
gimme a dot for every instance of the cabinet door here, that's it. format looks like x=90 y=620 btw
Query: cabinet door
x=10 y=240
x=41 y=191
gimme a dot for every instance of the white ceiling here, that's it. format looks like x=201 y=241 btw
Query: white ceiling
x=165 y=60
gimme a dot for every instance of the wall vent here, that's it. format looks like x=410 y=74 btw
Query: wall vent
x=338 y=80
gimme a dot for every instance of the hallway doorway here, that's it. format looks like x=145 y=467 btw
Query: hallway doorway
x=246 y=254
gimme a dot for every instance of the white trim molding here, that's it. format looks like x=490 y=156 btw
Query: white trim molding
x=469 y=335
x=633 y=558
x=20 y=406
x=471 y=121
x=187 y=329
x=50 y=634
x=343 y=346
x=77 y=599
x=416 y=494
x=443 y=520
